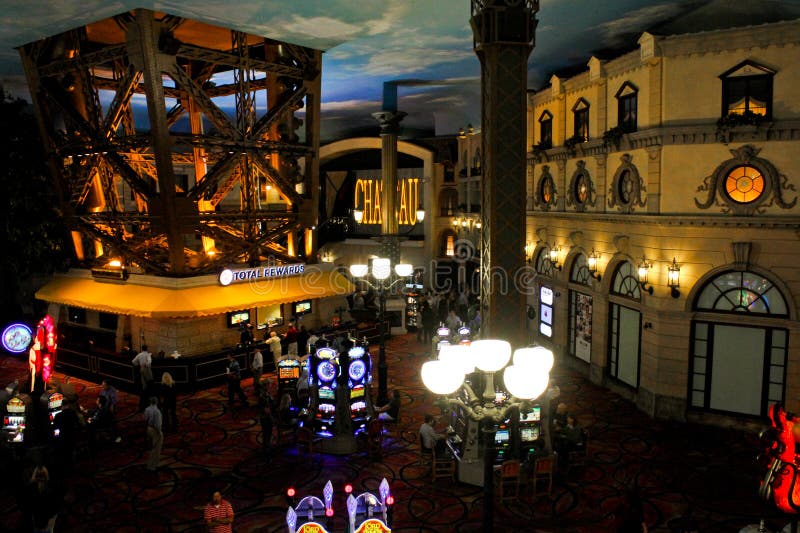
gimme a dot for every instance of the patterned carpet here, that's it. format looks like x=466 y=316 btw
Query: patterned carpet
x=679 y=468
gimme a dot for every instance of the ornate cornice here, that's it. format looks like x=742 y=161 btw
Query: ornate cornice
x=782 y=130
x=676 y=219
x=763 y=36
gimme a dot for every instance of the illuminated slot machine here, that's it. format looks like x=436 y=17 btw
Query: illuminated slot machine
x=51 y=403
x=288 y=374
x=359 y=376
x=464 y=335
x=442 y=338
x=502 y=440
x=530 y=430
x=14 y=420
x=323 y=371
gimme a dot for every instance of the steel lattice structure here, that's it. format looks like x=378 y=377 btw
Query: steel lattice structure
x=157 y=146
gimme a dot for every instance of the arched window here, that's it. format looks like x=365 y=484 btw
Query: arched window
x=736 y=366
x=624 y=325
x=580 y=271
x=543 y=264
x=448 y=201
x=626 y=281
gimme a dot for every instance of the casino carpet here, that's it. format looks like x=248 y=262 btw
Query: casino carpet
x=679 y=469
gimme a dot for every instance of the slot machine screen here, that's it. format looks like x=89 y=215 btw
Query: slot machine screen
x=534 y=415
x=501 y=437
x=327 y=394
x=357 y=407
x=357 y=393
x=289 y=372
x=529 y=434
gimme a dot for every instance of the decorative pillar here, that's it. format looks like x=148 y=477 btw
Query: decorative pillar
x=389 y=120
x=503 y=39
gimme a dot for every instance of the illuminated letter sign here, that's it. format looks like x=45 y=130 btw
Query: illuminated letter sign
x=228 y=276
x=311 y=527
x=368 y=197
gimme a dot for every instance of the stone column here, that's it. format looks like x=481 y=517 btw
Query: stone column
x=389 y=120
x=503 y=39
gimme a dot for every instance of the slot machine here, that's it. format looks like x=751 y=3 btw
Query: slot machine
x=530 y=431
x=14 y=420
x=359 y=377
x=502 y=442
x=413 y=307
x=288 y=373
x=51 y=404
x=323 y=371
x=442 y=338
x=464 y=335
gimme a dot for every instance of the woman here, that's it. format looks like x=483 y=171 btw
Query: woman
x=168 y=402
x=44 y=500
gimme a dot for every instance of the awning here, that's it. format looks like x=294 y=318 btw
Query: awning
x=160 y=302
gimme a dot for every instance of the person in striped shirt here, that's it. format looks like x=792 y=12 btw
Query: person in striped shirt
x=218 y=515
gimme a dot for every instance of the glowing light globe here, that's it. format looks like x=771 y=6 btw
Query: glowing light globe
x=439 y=377
x=490 y=355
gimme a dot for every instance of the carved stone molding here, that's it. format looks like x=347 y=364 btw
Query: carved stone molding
x=741 y=253
x=767 y=185
x=546 y=193
x=581 y=189
x=627 y=186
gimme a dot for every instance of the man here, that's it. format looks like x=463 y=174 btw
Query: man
x=99 y=419
x=144 y=361
x=218 y=515
x=257 y=367
x=65 y=425
x=391 y=411
x=290 y=338
x=452 y=321
x=152 y=417
x=274 y=344
x=235 y=381
x=429 y=438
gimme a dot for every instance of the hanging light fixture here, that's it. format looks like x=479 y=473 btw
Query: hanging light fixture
x=553 y=256
x=643 y=271
x=591 y=264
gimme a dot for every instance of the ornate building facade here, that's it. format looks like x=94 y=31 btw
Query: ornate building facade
x=663 y=221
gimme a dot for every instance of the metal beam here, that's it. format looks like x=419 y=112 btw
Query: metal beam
x=203 y=101
x=275 y=112
x=285 y=188
x=122 y=97
x=84 y=61
x=233 y=60
x=221 y=172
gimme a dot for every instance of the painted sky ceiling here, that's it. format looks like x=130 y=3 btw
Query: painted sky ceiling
x=424 y=45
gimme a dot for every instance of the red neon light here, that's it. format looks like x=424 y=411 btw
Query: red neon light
x=329 y=512
x=390 y=500
x=290 y=492
x=348 y=488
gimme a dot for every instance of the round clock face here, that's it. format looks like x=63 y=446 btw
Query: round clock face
x=357 y=370
x=326 y=371
x=17 y=338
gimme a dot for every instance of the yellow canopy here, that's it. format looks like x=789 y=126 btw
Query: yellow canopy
x=159 y=302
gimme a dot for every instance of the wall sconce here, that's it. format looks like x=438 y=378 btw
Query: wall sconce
x=591 y=264
x=478 y=225
x=456 y=222
x=674 y=278
x=327 y=256
x=420 y=214
x=644 y=269
x=358 y=214
x=553 y=256
x=529 y=247
x=464 y=223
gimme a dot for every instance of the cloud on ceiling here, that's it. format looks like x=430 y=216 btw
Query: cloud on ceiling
x=617 y=31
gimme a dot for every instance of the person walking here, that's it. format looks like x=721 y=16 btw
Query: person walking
x=274 y=343
x=43 y=499
x=267 y=421
x=169 y=402
x=218 y=515
x=110 y=394
x=257 y=366
x=235 y=381
x=152 y=417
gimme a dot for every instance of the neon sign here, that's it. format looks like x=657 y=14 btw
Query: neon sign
x=368 y=194
x=17 y=337
x=228 y=276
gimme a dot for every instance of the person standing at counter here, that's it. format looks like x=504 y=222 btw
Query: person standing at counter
x=169 y=402
x=274 y=344
x=290 y=338
x=144 y=362
x=235 y=381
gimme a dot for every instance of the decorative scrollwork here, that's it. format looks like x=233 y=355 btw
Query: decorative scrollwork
x=627 y=186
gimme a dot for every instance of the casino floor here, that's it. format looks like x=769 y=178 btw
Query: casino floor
x=678 y=469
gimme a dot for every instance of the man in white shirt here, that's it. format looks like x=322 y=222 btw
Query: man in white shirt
x=274 y=343
x=452 y=321
x=144 y=361
x=257 y=366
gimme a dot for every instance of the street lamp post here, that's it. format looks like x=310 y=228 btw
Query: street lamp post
x=381 y=270
x=526 y=379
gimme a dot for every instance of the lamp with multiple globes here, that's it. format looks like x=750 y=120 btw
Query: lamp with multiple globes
x=381 y=271
x=526 y=379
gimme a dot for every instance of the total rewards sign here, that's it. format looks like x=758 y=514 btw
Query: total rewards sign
x=311 y=527
x=373 y=525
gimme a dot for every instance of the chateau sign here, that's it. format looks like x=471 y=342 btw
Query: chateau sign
x=368 y=195
x=228 y=276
